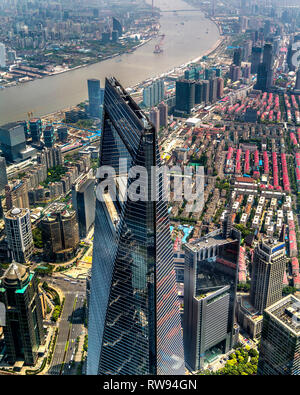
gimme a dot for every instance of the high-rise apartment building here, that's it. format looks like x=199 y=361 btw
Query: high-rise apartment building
x=94 y=93
x=154 y=118
x=163 y=114
x=3 y=175
x=210 y=279
x=280 y=339
x=23 y=330
x=62 y=133
x=2 y=55
x=19 y=234
x=134 y=320
x=16 y=195
x=213 y=90
x=83 y=201
x=268 y=267
x=154 y=93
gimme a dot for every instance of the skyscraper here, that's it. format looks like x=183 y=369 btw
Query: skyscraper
x=154 y=93
x=268 y=267
x=117 y=26
x=210 y=278
x=297 y=84
x=280 y=340
x=185 y=96
x=237 y=57
x=49 y=137
x=163 y=114
x=3 y=175
x=213 y=90
x=23 y=332
x=35 y=126
x=255 y=59
x=2 y=55
x=12 y=141
x=265 y=71
x=154 y=118
x=19 y=234
x=134 y=322
x=60 y=235
x=94 y=97
x=83 y=200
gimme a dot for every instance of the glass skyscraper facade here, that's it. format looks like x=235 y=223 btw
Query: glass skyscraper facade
x=134 y=320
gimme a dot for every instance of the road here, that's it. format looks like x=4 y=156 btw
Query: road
x=72 y=314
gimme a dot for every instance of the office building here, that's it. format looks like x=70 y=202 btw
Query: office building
x=2 y=55
x=154 y=118
x=280 y=340
x=255 y=59
x=62 y=133
x=35 y=127
x=12 y=141
x=210 y=280
x=193 y=73
x=268 y=268
x=23 y=330
x=83 y=201
x=117 y=26
x=49 y=137
x=114 y=36
x=265 y=73
x=3 y=175
x=163 y=114
x=185 y=96
x=19 y=234
x=237 y=57
x=297 y=84
x=60 y=236
x=134 y=320
x=94 y=92
x=105 y=37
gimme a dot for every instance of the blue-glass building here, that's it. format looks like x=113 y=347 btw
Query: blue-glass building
x=94 y=92
x=134 y=320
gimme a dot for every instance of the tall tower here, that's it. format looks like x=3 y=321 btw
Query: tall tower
x=134 y=320
x=280 y=339
x=23 y=330
x=268 y=267
x=94 y=92
x=19 y=234
x=3 y=175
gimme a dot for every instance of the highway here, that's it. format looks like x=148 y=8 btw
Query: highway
x=70 y=325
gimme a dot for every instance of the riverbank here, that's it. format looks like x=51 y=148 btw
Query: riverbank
x=182 y=44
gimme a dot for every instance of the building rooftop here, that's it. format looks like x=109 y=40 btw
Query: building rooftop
x=287 y=313
x=16 y=213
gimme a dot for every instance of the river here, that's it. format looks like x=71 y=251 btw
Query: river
x=183 y=42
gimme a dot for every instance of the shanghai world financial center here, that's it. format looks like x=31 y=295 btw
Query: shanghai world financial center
x=134 y=318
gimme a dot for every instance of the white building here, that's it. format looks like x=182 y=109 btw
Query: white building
x=2 y=55
x=19 y=234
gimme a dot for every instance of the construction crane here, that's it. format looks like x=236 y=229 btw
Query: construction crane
x=158 y=47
